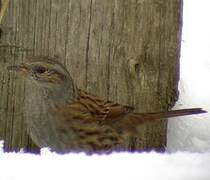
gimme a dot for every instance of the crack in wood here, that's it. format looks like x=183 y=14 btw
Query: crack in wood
x=88 y=46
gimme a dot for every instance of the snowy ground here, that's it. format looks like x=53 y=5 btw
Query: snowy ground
x=124 y=166
x=190 y=134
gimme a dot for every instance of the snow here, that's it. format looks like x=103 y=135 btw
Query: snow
x=123 y=166
x=192 y=133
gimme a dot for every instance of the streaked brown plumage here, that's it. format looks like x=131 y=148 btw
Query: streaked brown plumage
x=67 y=119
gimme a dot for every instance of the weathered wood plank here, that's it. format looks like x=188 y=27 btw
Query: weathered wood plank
x=125 y=51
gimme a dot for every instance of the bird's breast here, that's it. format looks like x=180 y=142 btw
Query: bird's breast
x=67 y=131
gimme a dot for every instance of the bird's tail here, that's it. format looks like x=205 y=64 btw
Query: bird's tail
x=140 y=118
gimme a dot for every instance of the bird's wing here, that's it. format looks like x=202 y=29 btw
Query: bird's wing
x=88 y=107
x=100 y=108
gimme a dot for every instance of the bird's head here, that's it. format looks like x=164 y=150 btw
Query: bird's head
x=47 y=73
x=43 y=71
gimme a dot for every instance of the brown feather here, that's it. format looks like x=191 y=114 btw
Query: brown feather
x=141 y=118
x=91 y=108
x=100 y=108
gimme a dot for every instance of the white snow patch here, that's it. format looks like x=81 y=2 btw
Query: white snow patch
x=123 y=166
x=192 y=133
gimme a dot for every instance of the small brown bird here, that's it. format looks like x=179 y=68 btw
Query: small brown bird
x=67 y=119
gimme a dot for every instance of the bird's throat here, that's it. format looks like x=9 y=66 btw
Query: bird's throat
x=58 y=94
x=39 y=102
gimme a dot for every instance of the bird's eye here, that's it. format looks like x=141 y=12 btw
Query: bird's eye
x=40 y=70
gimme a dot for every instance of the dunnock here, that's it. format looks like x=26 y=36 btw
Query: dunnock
x=67 y=119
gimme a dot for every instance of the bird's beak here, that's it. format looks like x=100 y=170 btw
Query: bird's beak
x=21 y=69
